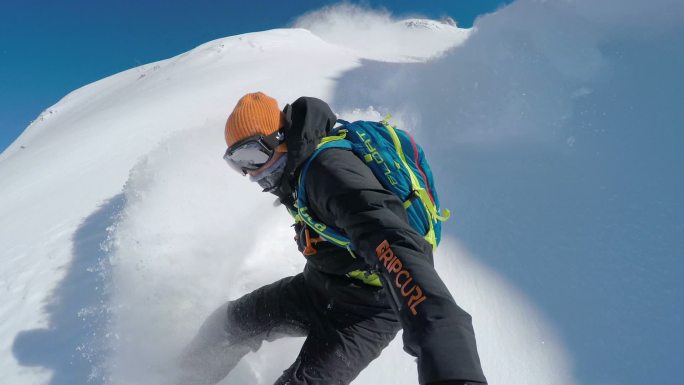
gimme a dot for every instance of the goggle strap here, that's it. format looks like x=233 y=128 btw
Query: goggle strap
x=273 y=140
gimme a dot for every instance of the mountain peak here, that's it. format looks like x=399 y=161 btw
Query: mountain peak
x=433 y=25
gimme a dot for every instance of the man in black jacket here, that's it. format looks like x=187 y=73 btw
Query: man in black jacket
x=347 y=318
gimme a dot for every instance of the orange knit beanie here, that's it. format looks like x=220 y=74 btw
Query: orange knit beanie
x=255 y=114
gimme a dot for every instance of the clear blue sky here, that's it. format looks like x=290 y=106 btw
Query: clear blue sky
x=50 y=48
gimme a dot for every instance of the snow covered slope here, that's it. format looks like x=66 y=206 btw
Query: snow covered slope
x=558 y=126
x=78 y=156
x=121 y=227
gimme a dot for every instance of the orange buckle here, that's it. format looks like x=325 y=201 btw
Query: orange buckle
x=309 y=249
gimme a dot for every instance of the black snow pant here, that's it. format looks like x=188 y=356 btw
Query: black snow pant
x=346 y=323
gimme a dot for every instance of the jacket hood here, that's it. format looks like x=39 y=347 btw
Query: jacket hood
x=307 y=120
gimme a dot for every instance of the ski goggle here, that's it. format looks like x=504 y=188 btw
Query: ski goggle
x=251 y=153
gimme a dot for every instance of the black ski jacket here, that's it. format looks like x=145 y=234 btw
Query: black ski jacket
x=343 y=193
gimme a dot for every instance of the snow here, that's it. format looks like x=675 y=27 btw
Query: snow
x=377 y=36
x=122 y=228
x=557 y=130
x=78 y=159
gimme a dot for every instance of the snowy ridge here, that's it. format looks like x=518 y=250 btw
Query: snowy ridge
x=447 y=24
x=377 y=36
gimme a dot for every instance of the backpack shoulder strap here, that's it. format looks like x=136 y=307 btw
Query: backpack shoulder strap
x=302 y=203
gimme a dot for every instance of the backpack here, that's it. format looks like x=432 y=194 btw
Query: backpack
x=397 y=161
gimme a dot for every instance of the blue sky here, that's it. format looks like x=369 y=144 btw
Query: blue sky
x=50 y=48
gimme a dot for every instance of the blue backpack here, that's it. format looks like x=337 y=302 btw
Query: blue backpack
x=397 y=162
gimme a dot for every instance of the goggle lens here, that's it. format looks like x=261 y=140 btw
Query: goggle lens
x=248 y=156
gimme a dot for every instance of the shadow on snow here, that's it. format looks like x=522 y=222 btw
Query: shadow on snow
x=74 y=345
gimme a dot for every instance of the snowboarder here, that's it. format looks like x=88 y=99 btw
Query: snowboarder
x=348 y=318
